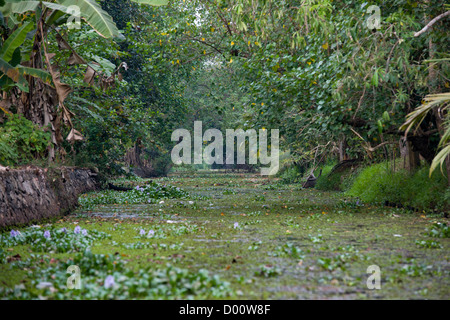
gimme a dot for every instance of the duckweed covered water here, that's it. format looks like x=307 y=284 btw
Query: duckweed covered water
x=230 y=236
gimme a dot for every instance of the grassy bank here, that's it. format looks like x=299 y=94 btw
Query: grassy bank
x=380 y=184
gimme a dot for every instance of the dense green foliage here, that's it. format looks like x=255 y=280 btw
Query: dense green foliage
x=21 y=141
x=336 y=87
x=359 y=92
x=378 y=184
x=329 y=181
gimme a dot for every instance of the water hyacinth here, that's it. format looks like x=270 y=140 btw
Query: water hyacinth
x=236 y=225
x=64 y=230
x=77 y=230
x=151 y=233
x=109 y=282
x=151 y=192
x=142 y=232
x=84 y=232
x=47 y=234
x=14 y=233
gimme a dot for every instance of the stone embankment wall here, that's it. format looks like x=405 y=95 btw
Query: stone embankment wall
x=30 y=194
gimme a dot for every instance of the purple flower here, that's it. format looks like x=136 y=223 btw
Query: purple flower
x=236 y=225
x=109 y=282
x=142 y=232
x=77 y=230
x=84 y=232
x=151 y=233
x=14 y=233
x=64 y=230
x=47 y=234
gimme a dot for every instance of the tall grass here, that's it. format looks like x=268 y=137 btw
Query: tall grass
x=379 y=184
x=328 y=182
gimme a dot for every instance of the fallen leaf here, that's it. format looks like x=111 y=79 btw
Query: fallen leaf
x=335 y=282
x=16 y=257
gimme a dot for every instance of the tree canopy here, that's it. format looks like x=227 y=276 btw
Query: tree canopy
x=336 y=77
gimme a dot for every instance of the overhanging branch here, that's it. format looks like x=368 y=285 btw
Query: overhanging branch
x=431 y=23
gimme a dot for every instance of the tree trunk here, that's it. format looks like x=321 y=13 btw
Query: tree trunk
x=343 y=150
x=140 y=167
x=411 y=159
x=40 y=104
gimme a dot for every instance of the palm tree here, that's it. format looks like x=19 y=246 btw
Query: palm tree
x=415 y=118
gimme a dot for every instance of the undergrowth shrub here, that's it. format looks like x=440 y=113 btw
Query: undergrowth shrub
x=21 y=141
x=326 y=181
x=290 y=174
x=379 y=184
x=340 y=180
x=297 y=174
x=349 y=179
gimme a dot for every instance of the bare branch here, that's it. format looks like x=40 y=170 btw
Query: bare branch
x=431 y=23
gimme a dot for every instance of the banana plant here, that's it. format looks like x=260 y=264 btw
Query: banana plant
x=12 y=73
x=89 y=10
x=45 y=104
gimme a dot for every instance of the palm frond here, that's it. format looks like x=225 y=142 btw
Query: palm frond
x=415 y=118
